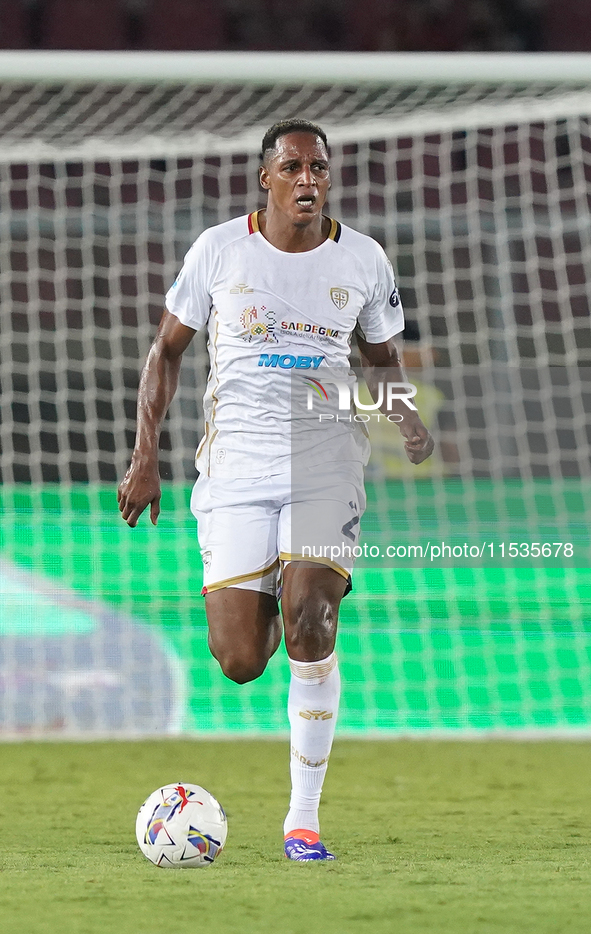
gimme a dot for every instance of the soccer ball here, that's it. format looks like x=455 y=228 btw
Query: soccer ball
x=181 y=826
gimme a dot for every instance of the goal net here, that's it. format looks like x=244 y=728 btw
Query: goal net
x=474 y=174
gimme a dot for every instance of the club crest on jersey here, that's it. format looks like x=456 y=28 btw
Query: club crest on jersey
x=339 y=297
x=258 y=323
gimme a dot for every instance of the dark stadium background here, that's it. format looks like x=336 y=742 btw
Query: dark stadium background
x=339 y=25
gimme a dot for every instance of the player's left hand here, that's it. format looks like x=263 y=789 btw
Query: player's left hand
x=418 y=442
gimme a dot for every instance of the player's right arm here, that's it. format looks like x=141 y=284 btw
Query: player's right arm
x=140 y=486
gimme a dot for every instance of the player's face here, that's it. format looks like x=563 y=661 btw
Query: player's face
x=297 y=177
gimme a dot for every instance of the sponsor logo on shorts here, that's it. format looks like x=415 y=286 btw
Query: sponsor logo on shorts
x=313 y=329
x=339 y=297
x=206 y=558
x=288 y=361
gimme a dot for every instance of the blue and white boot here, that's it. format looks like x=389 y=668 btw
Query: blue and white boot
x=305 y=845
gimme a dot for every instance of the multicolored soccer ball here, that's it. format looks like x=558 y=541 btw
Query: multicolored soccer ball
x=181 y=826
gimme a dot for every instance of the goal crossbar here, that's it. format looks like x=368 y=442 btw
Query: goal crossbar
x=137 y=106
x=300 y=67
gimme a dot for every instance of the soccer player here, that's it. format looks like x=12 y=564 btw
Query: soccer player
x=281 y=292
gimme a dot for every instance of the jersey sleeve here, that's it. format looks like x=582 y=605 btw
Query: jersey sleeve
x=189 y=296
x=382 y=317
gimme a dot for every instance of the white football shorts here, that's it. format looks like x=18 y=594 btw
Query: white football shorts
x=249 y=529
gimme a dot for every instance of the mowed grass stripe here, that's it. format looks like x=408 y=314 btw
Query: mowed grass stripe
x=443 y=837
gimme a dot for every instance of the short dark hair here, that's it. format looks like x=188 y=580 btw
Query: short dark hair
x=295 y=125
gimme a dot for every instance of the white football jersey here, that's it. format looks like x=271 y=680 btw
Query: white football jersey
x=272 y=316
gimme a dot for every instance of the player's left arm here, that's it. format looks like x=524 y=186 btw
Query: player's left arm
x=377 y=360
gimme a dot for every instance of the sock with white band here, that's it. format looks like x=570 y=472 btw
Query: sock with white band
x=313 y=705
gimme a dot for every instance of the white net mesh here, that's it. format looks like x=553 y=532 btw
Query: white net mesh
x=487 y=224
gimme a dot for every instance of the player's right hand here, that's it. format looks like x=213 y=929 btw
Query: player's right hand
x=138 y=489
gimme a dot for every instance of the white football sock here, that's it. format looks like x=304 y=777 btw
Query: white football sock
x=313 y=705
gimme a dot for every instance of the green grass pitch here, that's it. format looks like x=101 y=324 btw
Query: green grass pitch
x=442 y=837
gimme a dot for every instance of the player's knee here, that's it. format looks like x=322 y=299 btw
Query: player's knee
x=316 y=609
x=241 y=668
x=312 y=624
